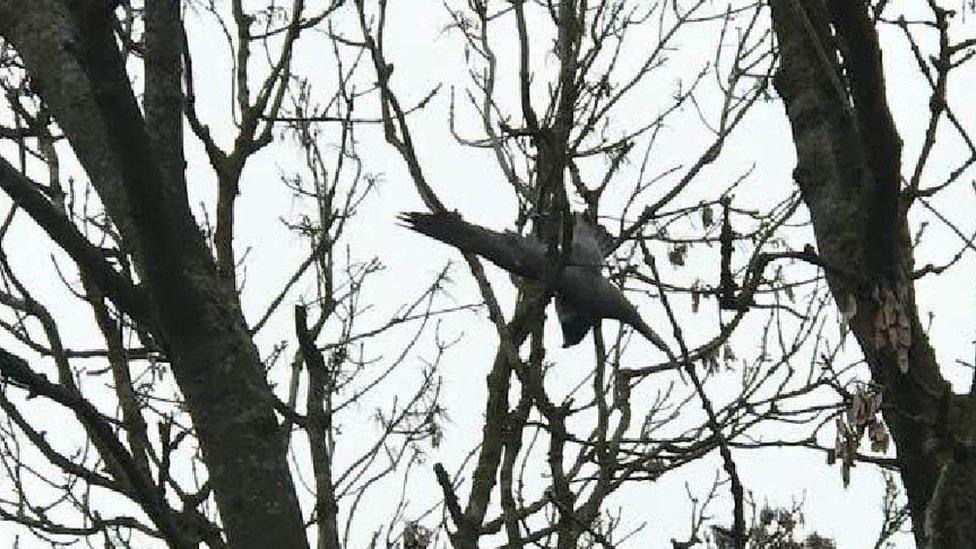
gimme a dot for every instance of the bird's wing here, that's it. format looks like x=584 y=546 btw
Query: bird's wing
x=590 y=245
x=515 y=253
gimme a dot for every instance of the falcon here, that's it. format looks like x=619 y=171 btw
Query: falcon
x=583 y=294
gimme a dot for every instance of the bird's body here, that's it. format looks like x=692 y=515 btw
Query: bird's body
x=583 y=294
x=576 y=315
x=573 y=320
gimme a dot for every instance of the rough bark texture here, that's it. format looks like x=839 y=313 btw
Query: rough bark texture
x=75 y=66
x=848 y=170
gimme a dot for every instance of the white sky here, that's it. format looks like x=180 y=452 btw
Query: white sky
x=469 y=181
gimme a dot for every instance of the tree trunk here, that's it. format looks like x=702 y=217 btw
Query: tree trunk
x=75 y=66
x=848 y=171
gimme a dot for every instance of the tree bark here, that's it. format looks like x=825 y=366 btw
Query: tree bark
x=76 y=68
x=848 y=171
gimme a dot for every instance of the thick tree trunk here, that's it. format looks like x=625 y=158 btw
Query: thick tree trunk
x=848 y=171
x=75 y=67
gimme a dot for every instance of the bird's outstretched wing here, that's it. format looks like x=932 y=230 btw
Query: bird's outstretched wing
x=517 y=254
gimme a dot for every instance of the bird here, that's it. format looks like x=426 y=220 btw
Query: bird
x=589 y=251
x=582 y=293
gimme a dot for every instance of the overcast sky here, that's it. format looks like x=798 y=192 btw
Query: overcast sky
x=469 y=181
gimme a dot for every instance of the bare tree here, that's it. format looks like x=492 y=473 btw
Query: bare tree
x=578 y=106
x=562 y=142
x=189 y=418
x=860 y=194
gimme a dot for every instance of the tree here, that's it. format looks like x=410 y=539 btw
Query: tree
x=136 y=166
x=850 y=175
x=164 y=292
x=588 y=123
x=548 y=142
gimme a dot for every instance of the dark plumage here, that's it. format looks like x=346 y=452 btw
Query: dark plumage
x=574 y=322
x=583 y=294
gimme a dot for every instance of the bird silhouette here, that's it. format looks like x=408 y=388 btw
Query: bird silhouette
x=583 y=294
